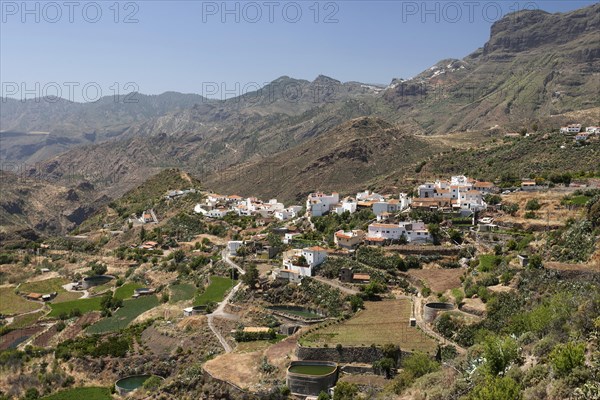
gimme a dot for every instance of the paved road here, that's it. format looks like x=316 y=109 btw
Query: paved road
x=220 y=310
x=336 y=285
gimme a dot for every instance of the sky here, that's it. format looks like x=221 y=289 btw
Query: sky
x=82 y=50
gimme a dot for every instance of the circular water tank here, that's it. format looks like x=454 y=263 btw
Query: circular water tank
x=309 y=378
x=431 y=310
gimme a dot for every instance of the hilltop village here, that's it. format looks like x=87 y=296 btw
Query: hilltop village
x=175 y=289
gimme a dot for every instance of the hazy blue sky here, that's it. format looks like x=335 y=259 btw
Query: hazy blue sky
x=183 y=45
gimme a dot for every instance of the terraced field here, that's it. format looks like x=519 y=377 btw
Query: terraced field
x=215 y=292
x=380 y=323
x=12 y=303
x=49 y=286
x=124 y=315
x=83 y=305
x=87 y=393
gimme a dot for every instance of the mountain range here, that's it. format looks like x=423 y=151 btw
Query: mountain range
x=292 y=136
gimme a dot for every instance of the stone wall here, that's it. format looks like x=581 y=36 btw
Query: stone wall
x=366 y=355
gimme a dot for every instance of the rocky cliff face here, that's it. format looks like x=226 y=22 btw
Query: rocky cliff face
x=527 y=30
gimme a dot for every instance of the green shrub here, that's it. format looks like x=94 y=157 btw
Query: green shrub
x=566 y=357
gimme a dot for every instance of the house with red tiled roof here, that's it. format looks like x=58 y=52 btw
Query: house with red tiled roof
x=348 y=240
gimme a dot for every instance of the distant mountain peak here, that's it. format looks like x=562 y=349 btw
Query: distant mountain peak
x=322 y=79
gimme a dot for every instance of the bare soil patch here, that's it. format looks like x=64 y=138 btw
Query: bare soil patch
x=438 y=279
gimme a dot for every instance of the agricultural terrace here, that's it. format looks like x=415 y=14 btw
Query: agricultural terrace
x=380 y=323
x=127 y=290
x=83 y=305
x=123 y=316
x=181 y=292
x=49 y=286
x=12 y=303
x=215 y=292
x=87 y=393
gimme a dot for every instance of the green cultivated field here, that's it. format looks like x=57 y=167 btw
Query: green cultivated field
x=181 y=292
x=12 y=303
x=124 y=315
x=380 y=323
x=49 y=286
x=127 y=290
x=87 y=393
x=84 y=305
x=215 y=292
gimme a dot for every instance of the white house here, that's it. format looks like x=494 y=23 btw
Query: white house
x=389 y=206
x=404 y=201
x=348 y=204
x=318 y=204
x=573 y=128
x=368 y=196
x=582 y=136
x=288 y=213
x=471 y=200
x=219 y=212
x=288 y=237
x=286 y=275
x=200 y=209
x=383 y=232
x=215 y=198
x=416 y=231
x=413 y=231
x=233 y=246
x=593 y=130
x=313 y=257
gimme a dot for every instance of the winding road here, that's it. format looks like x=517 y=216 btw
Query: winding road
x=220 y=310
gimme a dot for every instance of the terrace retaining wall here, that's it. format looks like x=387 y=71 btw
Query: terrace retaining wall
x=365 y=355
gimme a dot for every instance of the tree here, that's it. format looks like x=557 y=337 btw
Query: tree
x=152 y=383
x=31 y=394
x=535 y=262
x=533 y=205
x=98 y=268
x=566 y=357
x=324 y=396
x=345 y=391
x=456 y=236
x=250 y=278
x=510 y=208
x=434 y=231
x=492 y=199
x=499 y=354
x=178 y=256
x=142 y=234
x=356 y=303
x=385 y=366
x=419 y=364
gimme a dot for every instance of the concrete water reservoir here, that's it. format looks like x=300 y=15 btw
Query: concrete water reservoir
x=431 y=310
x=131 y=383
x=97 y=280
x=196 y=310
x=309 y=378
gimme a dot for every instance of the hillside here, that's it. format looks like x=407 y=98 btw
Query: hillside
x=30 y=207
x=351 y=156
x=37 y=129
x=149 y=195
x=534 y=65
